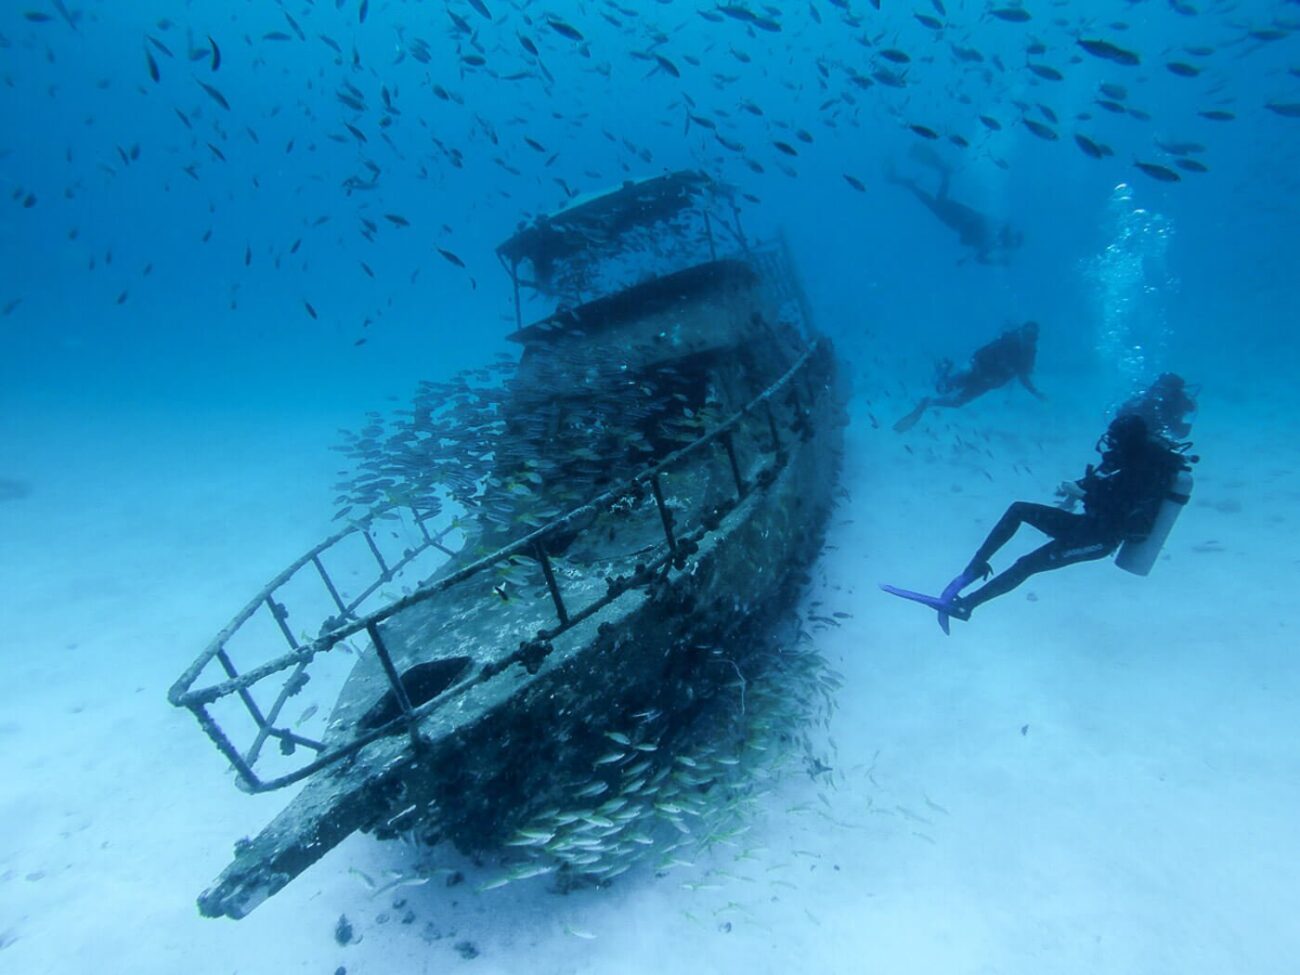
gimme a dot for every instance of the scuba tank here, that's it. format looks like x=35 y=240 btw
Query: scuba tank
x=1138 y=555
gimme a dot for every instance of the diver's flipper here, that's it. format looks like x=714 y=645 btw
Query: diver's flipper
x=952 y=590
x=944 y=605
x=976 y=570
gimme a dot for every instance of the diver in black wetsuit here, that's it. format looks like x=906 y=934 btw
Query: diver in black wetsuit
x=1121 y=497
x=1166 y=405
x=1010 y=356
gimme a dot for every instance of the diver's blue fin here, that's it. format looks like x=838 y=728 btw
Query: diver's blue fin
x=976 y=570
x=942 y=604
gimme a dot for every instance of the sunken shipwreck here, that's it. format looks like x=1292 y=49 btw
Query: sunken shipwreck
x=553 y=630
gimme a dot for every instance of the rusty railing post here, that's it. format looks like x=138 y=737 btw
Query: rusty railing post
x=664 y=515
x=735 y=467
x=399 y=690
x=545 y=562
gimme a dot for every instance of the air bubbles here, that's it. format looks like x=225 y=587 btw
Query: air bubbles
x=1130 y=280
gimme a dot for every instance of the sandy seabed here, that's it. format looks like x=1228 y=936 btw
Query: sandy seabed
x=1099 y=773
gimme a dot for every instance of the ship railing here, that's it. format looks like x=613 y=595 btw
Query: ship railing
x=792 y=393
x=777 y=269
x=271 y=606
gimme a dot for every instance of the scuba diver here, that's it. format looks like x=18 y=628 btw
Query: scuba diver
x=991 y=241
x=1010 y=356
x=1165 y=405
x=1131 y=498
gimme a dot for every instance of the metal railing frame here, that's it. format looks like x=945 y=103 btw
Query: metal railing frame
x=530 y=653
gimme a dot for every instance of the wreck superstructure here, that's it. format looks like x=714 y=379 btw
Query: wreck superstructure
x=668 y=448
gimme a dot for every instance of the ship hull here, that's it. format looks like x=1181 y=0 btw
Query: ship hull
x=502 y=748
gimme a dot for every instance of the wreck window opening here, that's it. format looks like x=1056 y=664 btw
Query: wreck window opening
x=422 y=684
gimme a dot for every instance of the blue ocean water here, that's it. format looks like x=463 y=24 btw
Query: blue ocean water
x=231 y=228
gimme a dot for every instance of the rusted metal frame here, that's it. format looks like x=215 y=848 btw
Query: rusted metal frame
x=282 y=734
x=228 y=666
x=399 y=690
x=771 y=426
x=329 y=584
x=665 y=516
x=214 y=692
x=419 y=523
x=411 y=716
x=385 y=573
x=291 y=686
x=266 y=723
x=398 y=566
x=420 y=516
x=730 y=448
x=224 y=745
x=281 y=614
x=539 y=548
x=417 y=714
x=436 y=539
x=429 y=539
x=651 y=568
x=256 y=784
x=181 y=695
x=185 y=682
x=599 y=603
x=365 y=594
x=326 y=759
x=288 y=734
x=327 y=641
x=721 y=221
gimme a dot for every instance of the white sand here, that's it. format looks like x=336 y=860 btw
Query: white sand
x=1100 y=779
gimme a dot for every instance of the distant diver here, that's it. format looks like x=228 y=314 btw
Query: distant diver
x=1010 y=356
x=1166 y=405
x=1131 y=500
x=991 y=240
